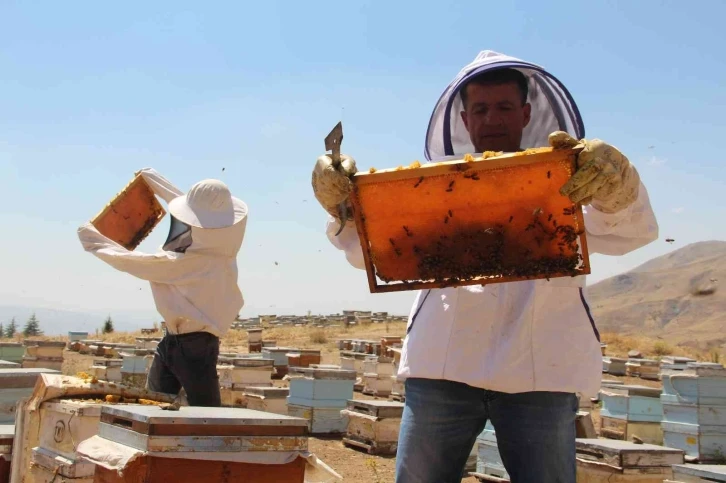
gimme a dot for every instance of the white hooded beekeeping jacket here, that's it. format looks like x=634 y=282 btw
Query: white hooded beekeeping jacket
x=194 y=291
x=521 y=336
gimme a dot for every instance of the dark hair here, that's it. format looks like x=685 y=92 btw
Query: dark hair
x=499 y=76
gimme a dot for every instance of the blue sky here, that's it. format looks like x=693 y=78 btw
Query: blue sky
x=91 y=91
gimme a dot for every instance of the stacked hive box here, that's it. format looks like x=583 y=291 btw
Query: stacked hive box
x=8 y=365
x=16 y=384
x=643 y=368
x=43 y=354
x=608 y=461
x=303 y=357
x=319 y=395
x=107 y=369
x=254 y=340
x=614 y=365
x=279 y=355
x=398 y=388
x=135 y=366
x=147 y=342
x=64 y=424
x=242 y=373
x=675 y=362
x=268 y=399
x=631 y=410
x=233 y=444
x=373 y=425
x=694 y=410
x=377 y=376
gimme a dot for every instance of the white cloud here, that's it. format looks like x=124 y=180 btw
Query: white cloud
x=678 y=210
x=655 y=161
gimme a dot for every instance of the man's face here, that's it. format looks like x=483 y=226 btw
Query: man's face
x=495 y=117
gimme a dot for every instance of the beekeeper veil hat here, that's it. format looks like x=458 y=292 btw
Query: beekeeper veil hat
x=553 y=108
x=208 y=204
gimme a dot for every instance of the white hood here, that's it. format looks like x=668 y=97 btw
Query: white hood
x=553 y=108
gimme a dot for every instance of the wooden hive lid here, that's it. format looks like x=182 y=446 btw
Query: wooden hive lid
x=318 y=373
x=44 y=343
x=624 y=454
x=131 y=215
x=200 y=421
x=108 y=362
x=463 y=222
x=268 y=392
x=250 y=362
x=378 y=409
x=633 y=390
x=7 y=431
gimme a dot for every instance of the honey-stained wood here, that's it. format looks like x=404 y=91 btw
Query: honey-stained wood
x=165 y=470
x=131 y=215
x=463 y=222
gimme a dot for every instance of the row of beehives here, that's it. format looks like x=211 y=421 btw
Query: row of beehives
x=604 y=460
x=80 y=424
x=100 y=348
x=649 y=369
x=688 y=413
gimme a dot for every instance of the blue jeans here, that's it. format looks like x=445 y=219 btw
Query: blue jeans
x=535 y=432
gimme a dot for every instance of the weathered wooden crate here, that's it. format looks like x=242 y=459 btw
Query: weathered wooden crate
x=193 y=429
x=608 y=461
x=632 y=403
x=11 y=351
x=506 y=211
x=233 y=397
x=65 y=423
x=269 y=399
x=690 y=473
x=50 y=467
x=377 y=385
x=614 y=365
x=373 y=425
x=254 y=336
x=320 y=420
x=107 y=369
x=44 y=349
x=131 y=215
x=621 y=429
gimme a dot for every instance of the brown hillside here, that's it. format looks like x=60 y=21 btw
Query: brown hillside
x=675 y=297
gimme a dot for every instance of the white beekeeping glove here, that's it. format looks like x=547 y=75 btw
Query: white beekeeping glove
x=604 y=177
x=332 y=185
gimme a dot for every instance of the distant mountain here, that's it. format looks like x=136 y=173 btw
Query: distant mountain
x=59 y=322
x=675 y=296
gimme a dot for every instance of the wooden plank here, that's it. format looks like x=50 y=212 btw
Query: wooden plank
x=399 y=261
x=584 y=426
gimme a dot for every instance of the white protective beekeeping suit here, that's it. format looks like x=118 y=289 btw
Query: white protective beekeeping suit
x=519 y=336
x=194 y=278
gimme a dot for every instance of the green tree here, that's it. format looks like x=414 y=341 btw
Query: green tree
x=32 y=327
x=11 y=329
x=107 y=325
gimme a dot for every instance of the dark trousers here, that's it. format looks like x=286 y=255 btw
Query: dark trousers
x=188 y=361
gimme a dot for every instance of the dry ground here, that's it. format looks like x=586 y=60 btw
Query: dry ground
x=355 y=465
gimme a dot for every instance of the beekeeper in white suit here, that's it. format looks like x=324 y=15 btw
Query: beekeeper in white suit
x=193 y=280
x=516 y=354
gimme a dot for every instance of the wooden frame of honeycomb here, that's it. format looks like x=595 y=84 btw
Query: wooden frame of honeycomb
x=131 y=215
x=491 y=219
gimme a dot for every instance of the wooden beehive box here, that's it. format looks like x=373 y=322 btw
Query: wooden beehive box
x=7 y=433
x=193 y=429
x=462 y=222
x=269 y=399
x=49 y=467
x=373 y=425
x=690 y=473
x=608 y=461
x=65 y=423
x=131 y=215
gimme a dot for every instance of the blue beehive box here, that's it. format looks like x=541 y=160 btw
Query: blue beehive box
x=632 y=403
x=694 y=410
x=322 y=388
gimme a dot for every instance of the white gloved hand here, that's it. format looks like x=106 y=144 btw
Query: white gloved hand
x=604 y=177
x=331 y=185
